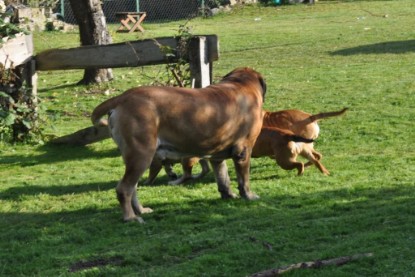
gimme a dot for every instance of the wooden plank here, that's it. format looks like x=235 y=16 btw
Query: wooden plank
x=85 y=136
x=125 y=54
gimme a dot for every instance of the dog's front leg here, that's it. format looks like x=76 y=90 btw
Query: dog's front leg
x=220 y=170
x=242 y=165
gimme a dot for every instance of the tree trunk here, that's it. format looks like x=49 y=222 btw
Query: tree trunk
x=93 y=31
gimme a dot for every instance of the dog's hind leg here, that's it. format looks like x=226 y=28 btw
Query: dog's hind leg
x=220 y=169
x=242 y=165
x=137 y=158
x=168 y=167
x=137 y=207
x=205 y=169
x=317 y=155
x=314 y=158
x=292 y=164
x=127 y=193
x=155 y=167
x=287 y=160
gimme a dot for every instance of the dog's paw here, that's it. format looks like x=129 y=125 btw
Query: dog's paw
x=251 y=196
x=172 y=176
x=228 y=195
x=147 y=182
x=175 y=182
x=179 y=181
x=146 y=210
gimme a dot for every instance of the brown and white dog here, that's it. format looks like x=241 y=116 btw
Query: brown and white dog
x=220 y=121
x=301 y=124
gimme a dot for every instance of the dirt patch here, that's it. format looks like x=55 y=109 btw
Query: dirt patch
x=98 y=262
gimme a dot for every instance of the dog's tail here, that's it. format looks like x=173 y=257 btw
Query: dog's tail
x=319 y=116
x=103 y=109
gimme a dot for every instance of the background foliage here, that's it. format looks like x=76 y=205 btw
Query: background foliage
x=60 y=216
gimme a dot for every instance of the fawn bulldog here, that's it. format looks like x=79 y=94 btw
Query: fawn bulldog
x=284 y=135
x=220 y=121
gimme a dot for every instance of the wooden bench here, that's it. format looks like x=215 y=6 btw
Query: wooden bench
x=135 y=18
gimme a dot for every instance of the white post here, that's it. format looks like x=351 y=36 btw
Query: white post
x=200 y=67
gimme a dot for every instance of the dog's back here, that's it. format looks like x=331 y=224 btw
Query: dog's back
x=300 y=123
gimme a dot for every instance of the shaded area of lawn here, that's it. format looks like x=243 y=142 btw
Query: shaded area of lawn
x=299 y=228
x=389 y=47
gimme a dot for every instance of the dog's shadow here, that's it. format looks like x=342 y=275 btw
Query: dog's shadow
x=163 y=180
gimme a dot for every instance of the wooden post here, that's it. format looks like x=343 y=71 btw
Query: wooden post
x=200 y=67
x=30 y=76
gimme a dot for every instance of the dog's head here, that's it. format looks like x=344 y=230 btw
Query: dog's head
x=246 y=75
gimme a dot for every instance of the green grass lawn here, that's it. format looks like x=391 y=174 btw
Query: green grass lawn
x=58 y=211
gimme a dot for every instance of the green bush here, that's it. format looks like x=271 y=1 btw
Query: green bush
x=17 y=107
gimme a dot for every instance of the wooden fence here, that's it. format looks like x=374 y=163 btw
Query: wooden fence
x=203 y=50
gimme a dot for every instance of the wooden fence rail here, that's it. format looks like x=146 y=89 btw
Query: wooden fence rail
x=125 y=54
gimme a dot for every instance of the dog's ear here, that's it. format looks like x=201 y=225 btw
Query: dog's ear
x=227 y=75
x=264 y=87
x=230 y=73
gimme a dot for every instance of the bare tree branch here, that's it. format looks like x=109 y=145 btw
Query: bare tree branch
x=314 y=264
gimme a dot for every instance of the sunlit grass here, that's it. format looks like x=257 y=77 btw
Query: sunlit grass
x=58 y=204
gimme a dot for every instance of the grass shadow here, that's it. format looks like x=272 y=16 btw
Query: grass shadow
x=202 y=227
x=58 y=153
x=390 y=47
x=15 y=193
x=58 y=87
